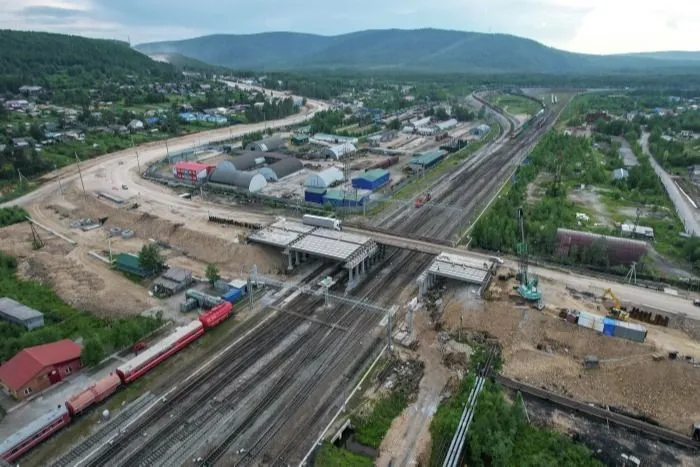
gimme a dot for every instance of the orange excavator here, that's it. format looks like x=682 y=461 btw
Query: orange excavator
x=422 y=199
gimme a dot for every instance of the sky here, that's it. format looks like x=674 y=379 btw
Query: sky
x=588 y=26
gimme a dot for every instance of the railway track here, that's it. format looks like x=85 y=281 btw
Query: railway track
x=649 y=430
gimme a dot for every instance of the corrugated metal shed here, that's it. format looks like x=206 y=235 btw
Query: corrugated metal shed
x=428 y=158
x=446 y=125
x=286 y=167
x=345 y=198
x=372 y=179
x=268 y=173
x=325 y=178
x=15 y=312
x=619 y=251
x=245 y=161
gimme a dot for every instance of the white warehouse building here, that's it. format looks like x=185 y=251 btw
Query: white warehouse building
x=446 y=125
x=325 y=178
x=339 y=150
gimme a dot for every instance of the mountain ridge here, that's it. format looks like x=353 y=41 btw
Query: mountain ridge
x=406 y=49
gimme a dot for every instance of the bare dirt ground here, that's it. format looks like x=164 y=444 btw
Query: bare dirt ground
x=590 y=199
x=409 y=436
x=542 y=349
x=78 y=279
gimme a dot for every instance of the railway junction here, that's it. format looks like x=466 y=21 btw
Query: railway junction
x=266 y=399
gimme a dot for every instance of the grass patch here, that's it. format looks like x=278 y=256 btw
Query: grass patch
x=370 y=431
x=515 y=105
x=331 y=456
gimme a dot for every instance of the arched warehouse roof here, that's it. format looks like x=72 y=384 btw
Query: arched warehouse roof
x=325 y=178
x=226 y=174
x=245 y=161
x=286 y=167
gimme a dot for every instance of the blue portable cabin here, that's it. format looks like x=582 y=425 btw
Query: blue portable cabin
x=609 y=326
x=233 y=295
x=371 y=179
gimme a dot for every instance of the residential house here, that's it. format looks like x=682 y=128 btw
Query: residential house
x=135 y=125
x=16 y=104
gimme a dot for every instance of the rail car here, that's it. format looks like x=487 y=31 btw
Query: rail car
x=22 y=441
x=93 y=394
x=150 y=358
x=46 y=425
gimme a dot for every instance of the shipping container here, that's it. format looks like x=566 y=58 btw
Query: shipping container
x=631 y=331
x=233 y=295
x=216 y=315
x=162 y=350
x=586 y=320
x=599 y=324
x=609 y=325
x=93 y=394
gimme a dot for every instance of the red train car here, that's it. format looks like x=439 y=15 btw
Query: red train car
x=93 y=394
x=151 y=357
x=34 y=433
x=216 y=315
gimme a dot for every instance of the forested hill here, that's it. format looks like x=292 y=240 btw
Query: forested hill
x=433 y=50
x=56 y=60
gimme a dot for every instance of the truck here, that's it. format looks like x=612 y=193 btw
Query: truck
x=320 y=221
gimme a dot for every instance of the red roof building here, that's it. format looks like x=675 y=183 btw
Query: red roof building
x=192 y=171
x=36 y=368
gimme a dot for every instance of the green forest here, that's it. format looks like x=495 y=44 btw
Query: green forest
x=499 y=435
x=61 y=61
x=62 y=320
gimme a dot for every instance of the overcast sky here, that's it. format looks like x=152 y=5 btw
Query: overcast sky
x=592 y=26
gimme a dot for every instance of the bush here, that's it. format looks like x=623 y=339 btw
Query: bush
x=331 y=456
x=12 y=215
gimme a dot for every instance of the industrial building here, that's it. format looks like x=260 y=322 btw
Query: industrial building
x=427 y=159
x=339 y=150
x=272 y=143
x=325 y=178
x=172 y=281
x=446 y=125
x=16 y=313
x=480 y=130
x=192 y=171
x=314 y=195
x=371 y=179
x=420 y=123
x=617 y=251
x=245 y=161
x=36 y=368
x=334 y=139
x=342 y=198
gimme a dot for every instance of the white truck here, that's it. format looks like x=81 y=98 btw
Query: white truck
x=320 y=221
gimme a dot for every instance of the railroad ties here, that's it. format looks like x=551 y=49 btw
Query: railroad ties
x=225 y=221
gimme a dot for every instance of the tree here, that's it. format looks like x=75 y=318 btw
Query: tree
x=394 y=124
x=35 y=132
x=441 y=114
x=92 y=352
x=150 y=258
x=212 y=274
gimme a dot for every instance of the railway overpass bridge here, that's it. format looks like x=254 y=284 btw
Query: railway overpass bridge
x=358 y=249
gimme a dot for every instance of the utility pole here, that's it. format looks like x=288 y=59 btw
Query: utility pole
x=167 y=151
x=138 y=162
x=77 y=162
x=60 y=185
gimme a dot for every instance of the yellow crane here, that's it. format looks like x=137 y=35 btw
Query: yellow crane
x=616 y=309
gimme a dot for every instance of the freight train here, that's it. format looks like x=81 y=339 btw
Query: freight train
x=45 y=426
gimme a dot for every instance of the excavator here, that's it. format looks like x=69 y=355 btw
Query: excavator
x=616 y=310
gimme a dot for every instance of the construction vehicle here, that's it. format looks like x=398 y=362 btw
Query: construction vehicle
x=616 y=310
x=422 y=199
x=529 y=284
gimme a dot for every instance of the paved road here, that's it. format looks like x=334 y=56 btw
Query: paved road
x=628 y=157
x=687 y=213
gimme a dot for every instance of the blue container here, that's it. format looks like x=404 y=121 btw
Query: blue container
x=232 y=295
x=609 y=325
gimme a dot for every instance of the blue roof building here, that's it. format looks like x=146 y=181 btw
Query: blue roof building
x=345 y=198
x=371 y=179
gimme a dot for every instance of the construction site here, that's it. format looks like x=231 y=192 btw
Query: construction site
x=333 y=302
